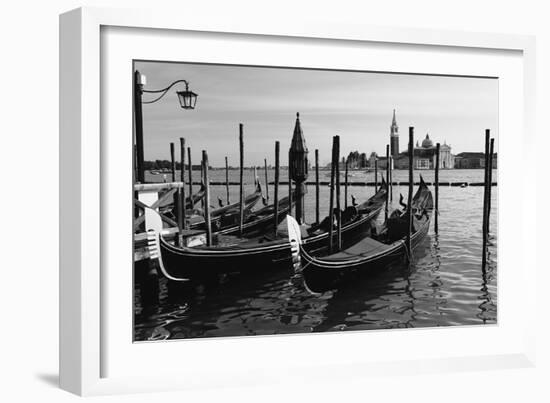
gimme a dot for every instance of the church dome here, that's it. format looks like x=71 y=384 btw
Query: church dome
x=427 y=143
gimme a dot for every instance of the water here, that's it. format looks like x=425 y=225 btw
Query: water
x=444 y=285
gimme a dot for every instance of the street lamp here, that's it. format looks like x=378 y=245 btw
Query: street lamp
x=187 y=100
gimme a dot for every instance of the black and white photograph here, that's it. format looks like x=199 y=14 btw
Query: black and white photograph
x=273 y=200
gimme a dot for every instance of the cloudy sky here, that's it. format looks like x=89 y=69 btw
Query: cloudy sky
x=355 y=105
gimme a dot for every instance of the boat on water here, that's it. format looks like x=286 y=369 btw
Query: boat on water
x=228 y=216
x=190 y=202
x=372 y=253
x=230 y=254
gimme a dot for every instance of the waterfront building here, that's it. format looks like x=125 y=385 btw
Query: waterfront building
x=472 y=160
x=424 y=156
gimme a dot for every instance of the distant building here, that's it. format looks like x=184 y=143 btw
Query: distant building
x=472 y=160
x=425 y=156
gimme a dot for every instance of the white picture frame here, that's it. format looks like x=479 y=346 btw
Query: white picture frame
x=87 y=307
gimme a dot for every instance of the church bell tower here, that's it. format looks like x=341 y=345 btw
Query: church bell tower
x=394 y=137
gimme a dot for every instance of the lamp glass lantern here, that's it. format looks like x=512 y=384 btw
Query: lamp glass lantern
x=188 y=99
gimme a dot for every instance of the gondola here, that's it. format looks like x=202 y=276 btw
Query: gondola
x=371 y=253
x=232 y=254
x=227 y=216
x=259 y=222
x=190 y=202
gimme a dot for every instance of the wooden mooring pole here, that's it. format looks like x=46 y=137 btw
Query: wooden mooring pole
x=387 y=209
x=173 y=161
x=485 y=200
x=346 y=186
x=491 y=153
x=206 y=181
x=182 y=178
x=331 y=201
x=410 y=196
x=289 y=185
x=190 y=172
x=266 y=180
x=241 y=178
x=226 y=180
x=317 y=189
x=376 y=175
x=390 y=178
x=436 y=212
x=338 y=206
x=276 y=190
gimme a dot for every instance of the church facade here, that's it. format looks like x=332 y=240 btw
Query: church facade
x=424 y=154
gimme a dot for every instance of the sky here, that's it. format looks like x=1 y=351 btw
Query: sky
x=358 y=106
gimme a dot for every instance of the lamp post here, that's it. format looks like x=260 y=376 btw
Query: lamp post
x=298 y=166
x=187 y=100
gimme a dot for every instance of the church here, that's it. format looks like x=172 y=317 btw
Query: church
x=424 y=154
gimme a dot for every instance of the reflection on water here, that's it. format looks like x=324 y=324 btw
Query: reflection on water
x=443 y=286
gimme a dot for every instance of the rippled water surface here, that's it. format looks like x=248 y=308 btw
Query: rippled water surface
x=443 y=286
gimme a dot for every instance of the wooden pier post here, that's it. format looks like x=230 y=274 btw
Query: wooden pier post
x=203 y=184
x=376 y=175
x=276 y=190
x=436 y=212
x=206 y=181
x=338 y=206
x=485 y=200
x=331 y=201
x=410 y=196
x=387 y=209
x=173 y=161
x=346 y=186
x=190 y=172
x=390 y=178
x=491 y=153
x=317 y=189
x=289 y=186
x=266 y=181
x=227 y=180
x=255 y=177
x=241 y=178
x=182 y=177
